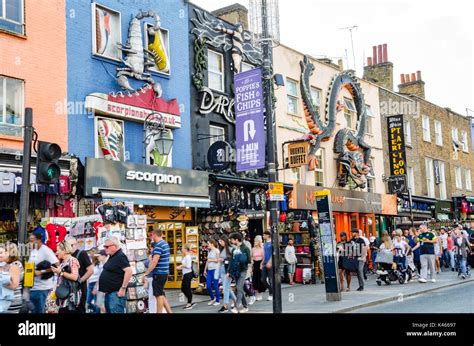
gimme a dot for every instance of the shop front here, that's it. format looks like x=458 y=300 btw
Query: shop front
x=464 y=210
x=423 y=210
x=369 y=212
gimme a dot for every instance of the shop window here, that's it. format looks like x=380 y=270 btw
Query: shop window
x=458 y=175
x=430 y=184
x=468 y=180
x=11 y=106
x=438 y=133
x=11 y=16
x=319 y=171
x=217 y=133
x=426 y=128
x=110 y=141
x=106 y=32
x=464 y=142
x=407 y=129
x=246 y=67
x=411 y=180
x=160 y=42
x=442 y=180
x=215 y=70
x=292 y=96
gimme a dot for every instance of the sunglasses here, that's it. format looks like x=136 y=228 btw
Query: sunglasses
x=107 y=246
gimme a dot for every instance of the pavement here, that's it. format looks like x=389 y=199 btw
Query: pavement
x=312 y=298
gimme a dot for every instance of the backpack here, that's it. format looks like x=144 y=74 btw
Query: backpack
x=194 y=270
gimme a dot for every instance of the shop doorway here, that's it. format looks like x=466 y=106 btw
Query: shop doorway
x=255 y=227
x=345 y=222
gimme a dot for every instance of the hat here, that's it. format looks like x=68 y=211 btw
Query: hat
x=101 y=253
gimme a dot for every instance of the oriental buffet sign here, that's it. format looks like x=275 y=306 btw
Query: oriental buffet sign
x=298 y=154
x=220 y=104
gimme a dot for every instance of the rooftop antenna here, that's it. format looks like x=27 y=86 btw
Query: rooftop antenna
x=350 y=28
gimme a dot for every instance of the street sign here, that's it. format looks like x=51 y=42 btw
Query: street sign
x=249 y=125
x=396 y=145
x=397 y=184
x=328 y=245
x=276 y=191
x=298 y=154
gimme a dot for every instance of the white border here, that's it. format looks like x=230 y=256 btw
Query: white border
x=93 y=7
x=168 y=50
x=96 y=136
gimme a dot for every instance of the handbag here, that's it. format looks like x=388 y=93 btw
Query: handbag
x=63 y=290
x=350 y=264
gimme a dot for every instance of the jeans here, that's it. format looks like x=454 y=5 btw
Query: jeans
x=445 y=259
x=400 y=260
x=451 y=256
x=114 y=304
x=462 y=262
x=373 y=256
x=427 y=261
x=38 y=298
x=240 y=290
x=91 y=298
x=267 y=278
x=360 y=272
x=186 y=286
x=211 y=283
x=227 y=291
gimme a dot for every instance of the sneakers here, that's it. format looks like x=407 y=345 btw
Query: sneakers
x=433 y=280
x=360 y=289
x=216 y=304
x=259 y=297
x=234 y=311
x=421 y=280
x=189 y=307
x=211 y=302
x=270 y=298
x=252 y=300
x=243 y=310
x=223 y=309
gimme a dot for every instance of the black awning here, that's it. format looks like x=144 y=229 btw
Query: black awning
x=230 y=179
x=421 y=199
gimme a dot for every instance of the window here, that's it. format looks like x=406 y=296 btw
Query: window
x=215 y=70
x=438 y=133
x=407 y=129
x=246 y=67
x=411 y=180
x=292 y=96
x=464 y=142
x=106 y=32
x=349 y=113
x=110 y=141
x=217 y=133
x=455 y=134
x=316 y=96
x=11 y=106
x=442 y=180
x=295 y=172
x=371 y=178
x=430 y=184
x=458 y=175
x=426 y=129
x=162 y=50
x=370 y=117
x=11 y=16
x=319 y=171
x=468 y=180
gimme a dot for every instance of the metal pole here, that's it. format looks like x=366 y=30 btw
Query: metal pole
x=411 y=208
x=25 y=176
x=271 y=152
x=353 y=53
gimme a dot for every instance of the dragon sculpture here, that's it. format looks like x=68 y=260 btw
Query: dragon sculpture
x=138 y=60
x=351 y=161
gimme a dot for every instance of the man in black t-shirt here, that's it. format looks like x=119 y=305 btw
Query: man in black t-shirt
x=116 y=274
x=360 y=252
x=86 y=269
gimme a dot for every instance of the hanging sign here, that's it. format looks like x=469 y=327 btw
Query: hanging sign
x=218 y=156
x=298 y=154
x=396 y=151
x=249 y=109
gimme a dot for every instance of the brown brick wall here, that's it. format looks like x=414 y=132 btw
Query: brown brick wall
x=381 y=74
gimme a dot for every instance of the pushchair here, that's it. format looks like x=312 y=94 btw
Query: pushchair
x=389 y=271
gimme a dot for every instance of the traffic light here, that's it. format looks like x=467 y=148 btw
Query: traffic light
x=47 y=163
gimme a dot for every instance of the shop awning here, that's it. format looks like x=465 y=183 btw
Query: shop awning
x=229 y=179
x=158 y=200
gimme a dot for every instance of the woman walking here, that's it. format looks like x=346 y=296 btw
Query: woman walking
x=438 y=252
x=211 y=272
x=257 y=256
x=68 y=274
x=341 y=250
x=462 y=250
x=12 y=274
x=187 y=268
x=224 y=260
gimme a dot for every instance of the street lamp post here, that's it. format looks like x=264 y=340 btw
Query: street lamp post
x=154 y=129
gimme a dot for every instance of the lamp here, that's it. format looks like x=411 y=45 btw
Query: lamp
x=154 y=129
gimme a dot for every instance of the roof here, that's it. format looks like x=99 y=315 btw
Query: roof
x=231 y=8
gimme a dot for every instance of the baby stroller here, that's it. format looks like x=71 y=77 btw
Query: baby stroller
x=387 y=273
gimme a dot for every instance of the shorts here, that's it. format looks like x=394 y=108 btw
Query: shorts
x=100 y=298
x=291 y=268
x=158 y=283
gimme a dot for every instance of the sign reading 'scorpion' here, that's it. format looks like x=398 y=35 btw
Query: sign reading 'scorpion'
x=250 y=133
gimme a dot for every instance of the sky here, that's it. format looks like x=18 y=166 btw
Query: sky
x=435 y=37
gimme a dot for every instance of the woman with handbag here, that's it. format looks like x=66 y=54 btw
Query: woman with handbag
x=11 y=297
x=68 y=293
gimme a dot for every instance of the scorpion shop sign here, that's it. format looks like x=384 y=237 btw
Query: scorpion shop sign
x=396 y=147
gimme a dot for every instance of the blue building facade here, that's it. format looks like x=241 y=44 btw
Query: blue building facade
x=93 y=30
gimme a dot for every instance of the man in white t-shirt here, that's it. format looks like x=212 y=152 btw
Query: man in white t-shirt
x=43 y=277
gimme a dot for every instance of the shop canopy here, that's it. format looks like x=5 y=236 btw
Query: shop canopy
x=157 y=200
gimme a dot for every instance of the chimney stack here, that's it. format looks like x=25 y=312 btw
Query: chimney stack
x=413 y=86
x=379 y=70
x=234 y=14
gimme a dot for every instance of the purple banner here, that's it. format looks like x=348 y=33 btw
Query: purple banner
x=249 y=126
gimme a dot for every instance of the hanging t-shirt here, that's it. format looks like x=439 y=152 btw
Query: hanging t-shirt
x=234 y=197
x=64 y=184
x=221 y=197
x=121 y=213
x=56 y=234
x=464 y=207
x=107 y=212
x=52 y=189
x=19 y=180
x=242 y=198
x=7 y=182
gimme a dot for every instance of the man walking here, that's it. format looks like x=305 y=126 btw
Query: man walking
x=445 y=259
x=426 y=242
x=238 y=269
x=360 y=252
x=160 y=266
x=43 y=258
x=267 y=268
x=290 y=258
x=86 y=269
x=116 y=274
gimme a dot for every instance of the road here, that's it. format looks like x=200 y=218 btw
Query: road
x=456 y=299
